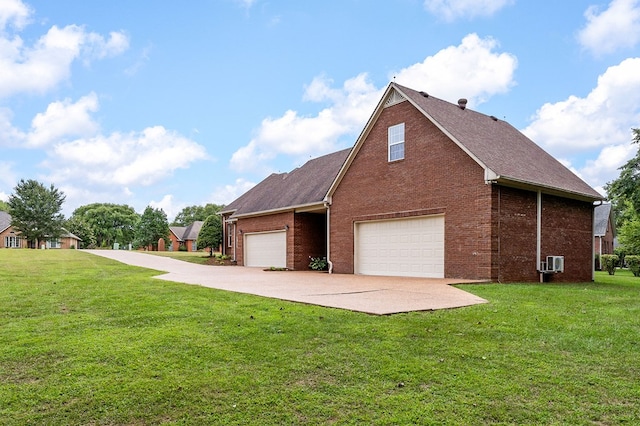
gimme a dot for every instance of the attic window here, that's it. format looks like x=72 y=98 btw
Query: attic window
x=396 y=142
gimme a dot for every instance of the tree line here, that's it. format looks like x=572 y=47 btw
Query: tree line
x=35 y=211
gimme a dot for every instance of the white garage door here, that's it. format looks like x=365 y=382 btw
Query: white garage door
x=402 y=247
x=266 y=249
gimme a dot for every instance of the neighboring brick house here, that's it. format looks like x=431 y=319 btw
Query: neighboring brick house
x=184 y=236
x=430 y=189
x=604 y=230
x=10 y=238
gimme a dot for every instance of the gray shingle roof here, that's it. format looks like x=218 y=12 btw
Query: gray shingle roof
x=499 y=147
x=601 y=219
x=5 y=220
x=305 y=185
x=185 y=233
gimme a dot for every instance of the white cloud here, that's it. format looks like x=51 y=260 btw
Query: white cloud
x=62 y=120
x=599 y=122
x=4 y=196
x=15 y=13
x=450 y=10
x=41 y=67
x=124 y=160
x=300 y=136
x=167 y=205
x=612 y=29
x=473 y=70
x=227 y=193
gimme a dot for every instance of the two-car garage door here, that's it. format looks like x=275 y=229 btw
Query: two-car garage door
x=411 y=247
x=266 y=249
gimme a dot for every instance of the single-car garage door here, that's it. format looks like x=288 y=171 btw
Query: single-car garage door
x=266 y=249
x=411 y=247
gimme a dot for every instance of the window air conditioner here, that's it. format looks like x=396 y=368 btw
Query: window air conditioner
x=555 y=263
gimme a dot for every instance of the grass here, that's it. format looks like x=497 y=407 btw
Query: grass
x=85 y=340
x=199 y=257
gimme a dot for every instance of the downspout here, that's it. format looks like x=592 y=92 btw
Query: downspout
x=327 y=205
x=539 y=237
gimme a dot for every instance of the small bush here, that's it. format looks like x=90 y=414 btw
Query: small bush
x=318 y=263
x=609 y=263
x=633 y=262
x=182 y=248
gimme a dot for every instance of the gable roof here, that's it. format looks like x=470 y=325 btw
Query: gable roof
x=507 y=156
x=186 y=233
x=303 y=187
x=5 y=221
x=601 y=219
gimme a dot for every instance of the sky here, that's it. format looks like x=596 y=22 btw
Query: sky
x=172 y=104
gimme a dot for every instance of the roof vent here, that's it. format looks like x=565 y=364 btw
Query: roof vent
x=425 y=94
x=494 y=118
x=462 y=103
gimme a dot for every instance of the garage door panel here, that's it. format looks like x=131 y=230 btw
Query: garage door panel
x=403 y=247
x=266 y=249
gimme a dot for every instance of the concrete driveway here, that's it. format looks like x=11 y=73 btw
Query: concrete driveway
x=373 y=295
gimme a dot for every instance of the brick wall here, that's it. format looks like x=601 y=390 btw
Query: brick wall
x=310 y=238
x=567 y=230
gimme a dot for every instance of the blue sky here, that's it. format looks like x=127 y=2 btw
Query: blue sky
x=174 y=104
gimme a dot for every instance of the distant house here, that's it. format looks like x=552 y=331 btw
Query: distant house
x=10 y=238
x=604 y=229
x=185 y=236
x=430 y=189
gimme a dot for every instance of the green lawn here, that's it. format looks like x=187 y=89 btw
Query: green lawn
x=85 y=340
x=199 y=257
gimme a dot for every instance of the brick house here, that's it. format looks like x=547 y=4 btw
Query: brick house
x=604 y=230
x=184 y=236
x=430 y=189
x=10 y=238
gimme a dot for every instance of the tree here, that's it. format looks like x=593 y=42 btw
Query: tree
x=151 y=227
x=624 y=193
x=110 y=223
x=78 y=226
x=190 y=214
x=35 y=210
x=627 y=186
x=4 y=206
x=211 y=233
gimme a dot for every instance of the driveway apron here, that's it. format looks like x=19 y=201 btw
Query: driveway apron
x=371 y=294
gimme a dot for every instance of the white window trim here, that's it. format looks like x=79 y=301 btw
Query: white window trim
x=391 y=143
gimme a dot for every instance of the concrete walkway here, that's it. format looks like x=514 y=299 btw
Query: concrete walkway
x=373 y=295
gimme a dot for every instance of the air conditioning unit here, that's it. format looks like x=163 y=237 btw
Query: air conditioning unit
x=555 y=263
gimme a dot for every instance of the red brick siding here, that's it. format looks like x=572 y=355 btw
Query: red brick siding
x=515 y=235
x=567 y=230
x=435 y=175
x=310 y=238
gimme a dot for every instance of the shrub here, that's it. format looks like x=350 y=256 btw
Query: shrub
x=609 y=263
x=318 y=263
x=633 y=261
x=182 y=248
